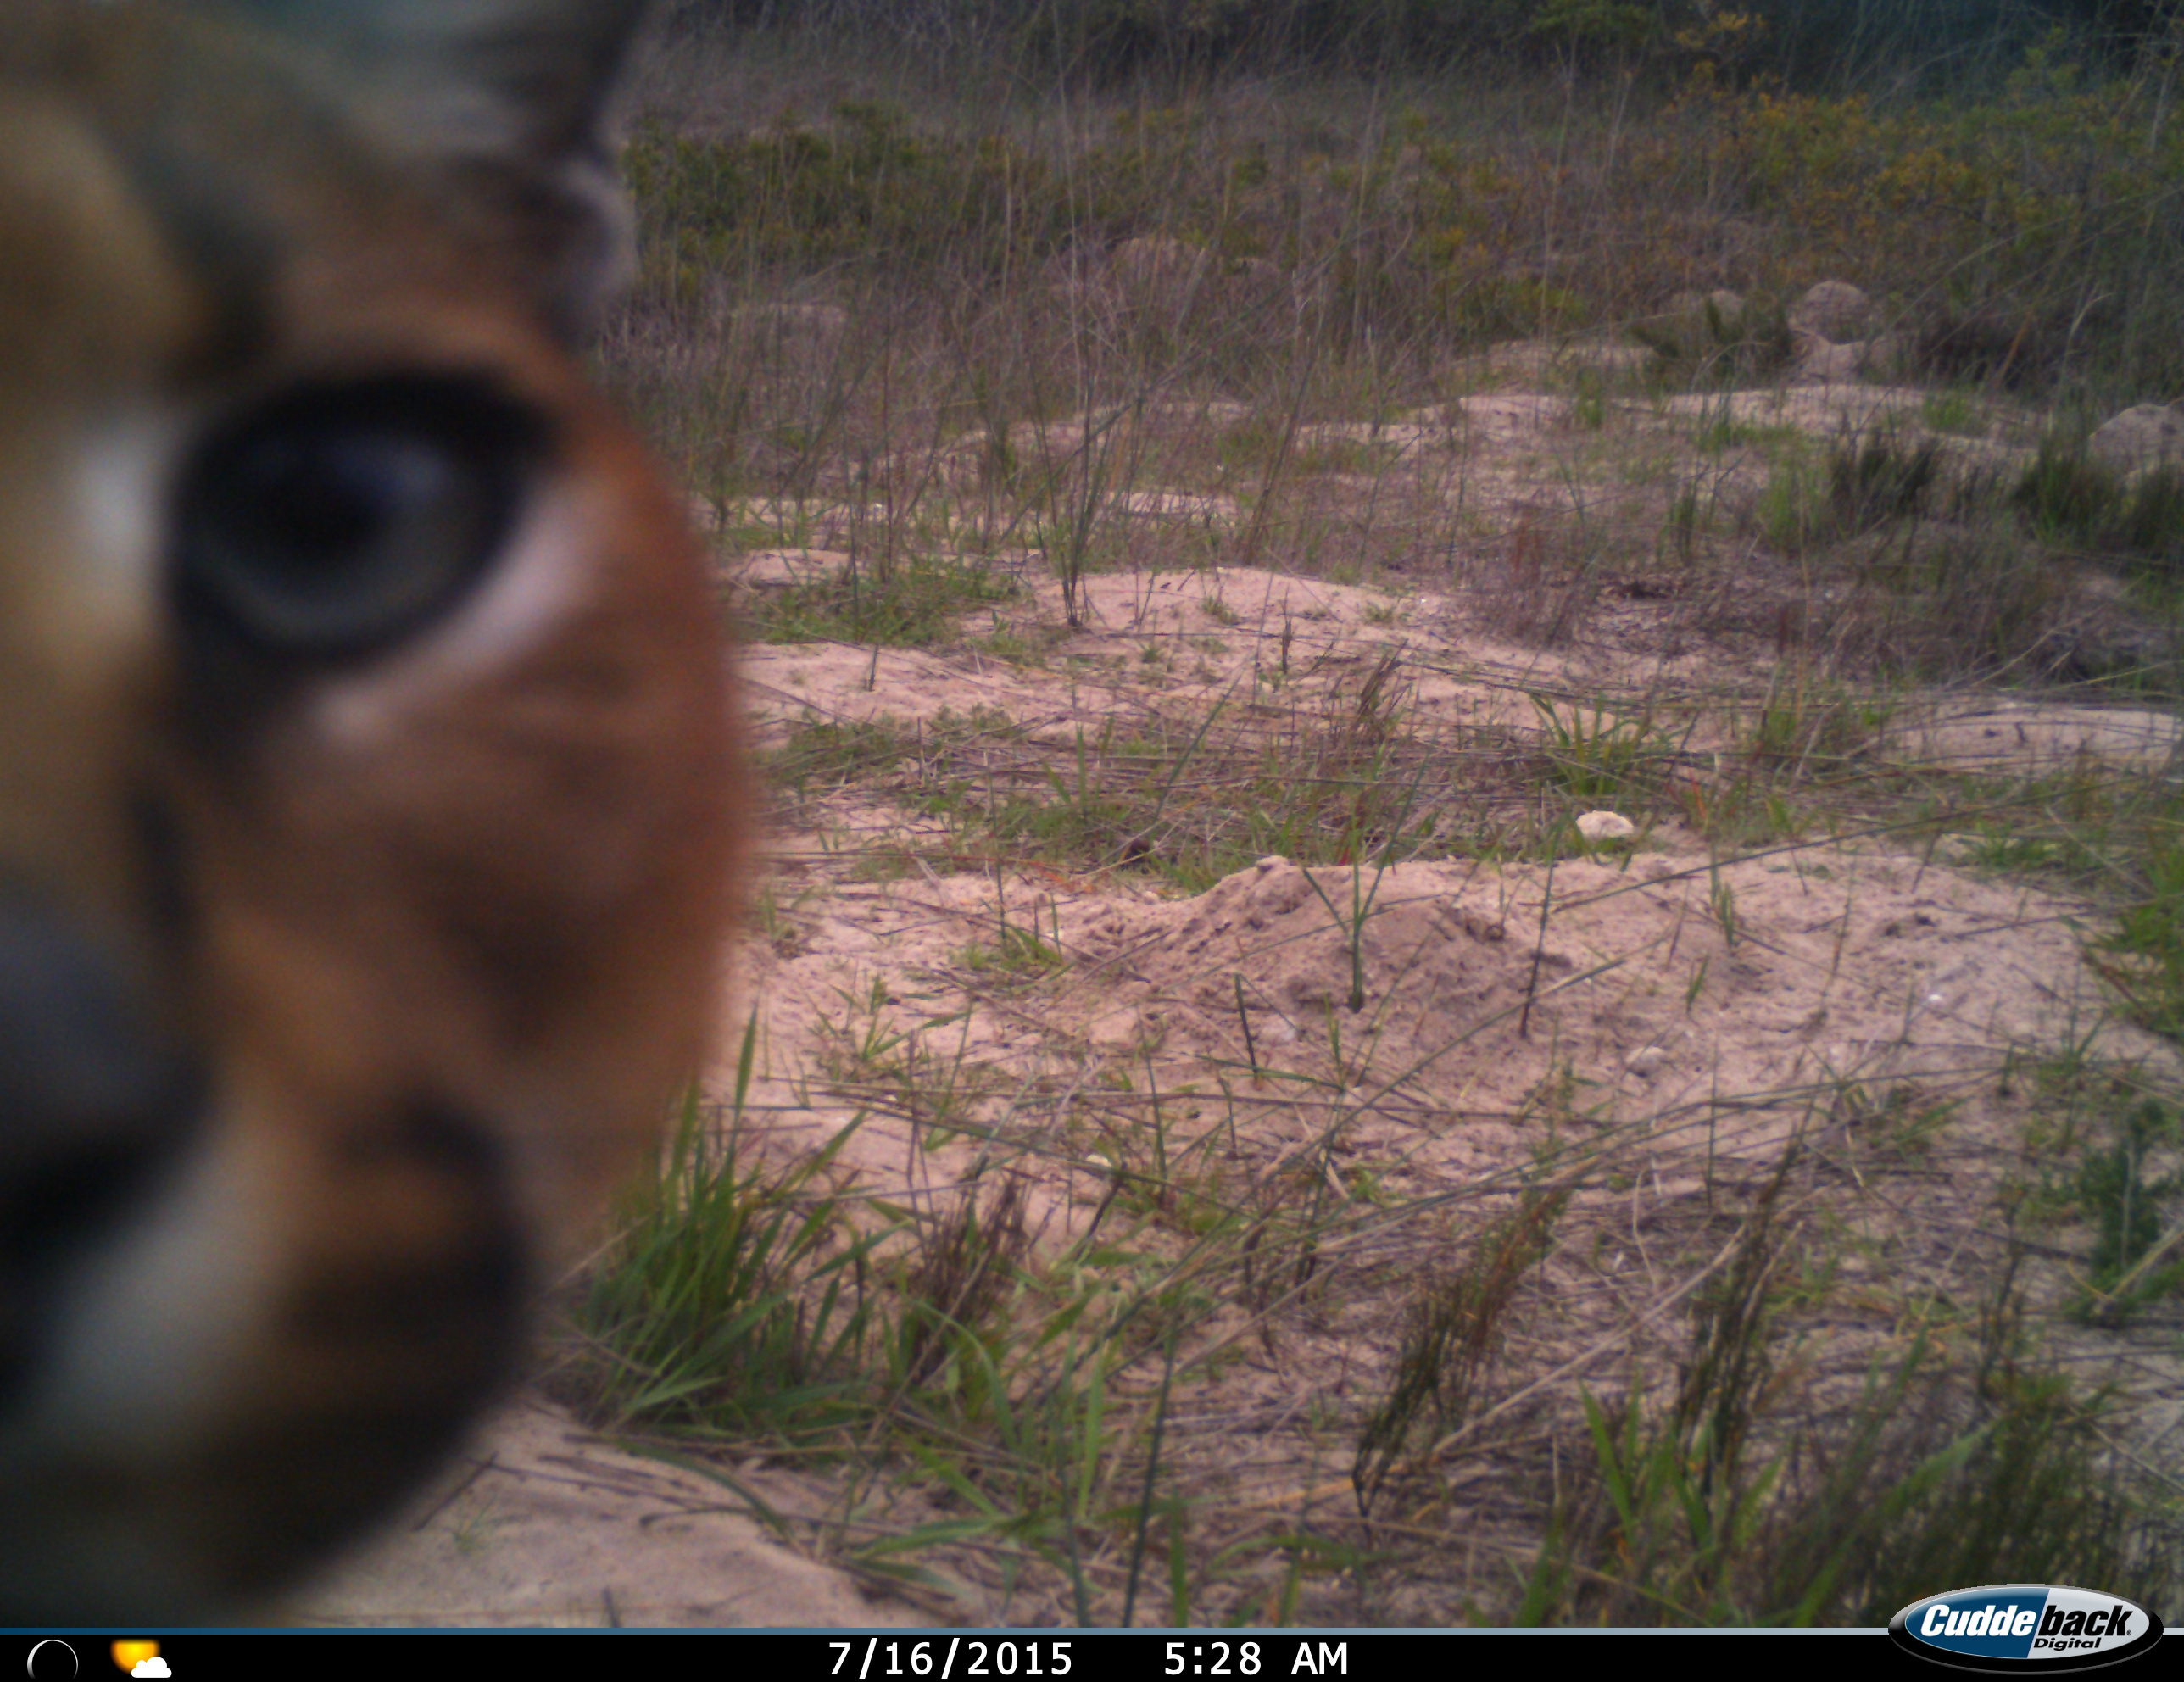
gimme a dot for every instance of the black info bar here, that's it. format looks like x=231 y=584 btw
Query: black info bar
x=846 y=1655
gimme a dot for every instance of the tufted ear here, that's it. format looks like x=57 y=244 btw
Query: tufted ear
x=512 y=98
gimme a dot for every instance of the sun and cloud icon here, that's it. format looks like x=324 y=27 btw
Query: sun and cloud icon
x=141 y=1658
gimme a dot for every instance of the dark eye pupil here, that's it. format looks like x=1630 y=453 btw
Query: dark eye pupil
x=338 y=497
x=337 y=519
x=320 y=509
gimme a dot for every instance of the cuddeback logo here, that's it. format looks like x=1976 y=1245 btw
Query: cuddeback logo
x=2025 y=1625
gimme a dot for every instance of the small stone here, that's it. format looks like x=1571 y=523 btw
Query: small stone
x=1606 y=827
x=1645 y=1059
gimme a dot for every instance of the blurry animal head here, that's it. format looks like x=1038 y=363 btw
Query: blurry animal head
x=368 y=795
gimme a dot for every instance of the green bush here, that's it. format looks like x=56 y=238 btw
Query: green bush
x=2021 y=235
x=865 y=190
x=2066 y=496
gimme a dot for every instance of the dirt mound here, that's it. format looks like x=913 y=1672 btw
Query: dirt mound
x=1462 y=989
x=1423 y=998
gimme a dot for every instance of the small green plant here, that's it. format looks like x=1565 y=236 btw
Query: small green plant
x=1950 y=411
x=2150 y=521
x=1454 y=1330
x=1725 y=431
x=1017 y=644
x=1352 y=922
x=1794 y=513
x=1676 y=1501
x=1017 y=952
x=471 y=1525
x=735 y=1298
x=778 y=922
x=908 y=605
x=2119 y=1188
x=1896 y=1120
x=952 y=1289
x=1598 y=754
x=1877 y=478
x=827 y=753
x=1679 y=531
x=2064 y=493
x=1808 y=722
x=2142 y=957
x=1721 y=899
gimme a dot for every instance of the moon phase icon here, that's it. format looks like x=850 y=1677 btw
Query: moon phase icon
x=56 y=1666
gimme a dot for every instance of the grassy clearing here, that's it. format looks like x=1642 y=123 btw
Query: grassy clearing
x=1720 y=1459
x=1267 y=1368
x=1736 y=1471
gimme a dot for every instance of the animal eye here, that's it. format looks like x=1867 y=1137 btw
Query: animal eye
x=335 y=519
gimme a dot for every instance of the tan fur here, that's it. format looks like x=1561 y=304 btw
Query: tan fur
x=474 y=875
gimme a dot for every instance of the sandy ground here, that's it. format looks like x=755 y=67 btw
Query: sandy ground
x=1407 y=1032
x=543 y=1525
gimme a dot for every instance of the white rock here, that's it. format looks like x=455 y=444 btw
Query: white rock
x=1606 y=827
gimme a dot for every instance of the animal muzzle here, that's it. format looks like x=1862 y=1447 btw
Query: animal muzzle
x=96 y=1108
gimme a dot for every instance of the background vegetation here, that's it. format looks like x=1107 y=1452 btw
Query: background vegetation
x=976 y=295
x=1803 y=40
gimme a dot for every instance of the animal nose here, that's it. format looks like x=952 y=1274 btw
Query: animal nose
x=94 y=1104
